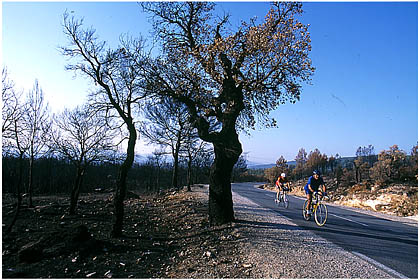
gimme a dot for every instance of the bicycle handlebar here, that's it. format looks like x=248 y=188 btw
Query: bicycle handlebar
x=317 y=193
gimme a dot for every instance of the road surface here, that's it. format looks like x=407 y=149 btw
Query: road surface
x=388 y=244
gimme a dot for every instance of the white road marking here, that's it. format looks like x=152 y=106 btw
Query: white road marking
x=349 y=220
x=384 y=267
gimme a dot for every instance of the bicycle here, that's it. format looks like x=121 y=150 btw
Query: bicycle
x=284 y=199
x=317 y=208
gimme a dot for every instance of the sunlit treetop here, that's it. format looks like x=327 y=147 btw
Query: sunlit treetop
x=267 y=61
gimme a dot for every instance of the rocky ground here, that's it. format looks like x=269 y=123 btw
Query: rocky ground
x=166 y=236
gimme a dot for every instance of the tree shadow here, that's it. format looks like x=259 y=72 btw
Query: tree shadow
x=266 y=225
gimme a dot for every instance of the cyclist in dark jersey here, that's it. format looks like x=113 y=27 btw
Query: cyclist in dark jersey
x=314 y=182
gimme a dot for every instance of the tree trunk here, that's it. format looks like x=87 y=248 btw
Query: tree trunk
x=76 y=190
x=176 y=167
x=227 y=152
x=19 y=195
x=121 y=189
x=189 y=174
x=175 y=154
x=157 y=187
x=356 y=172
x=30 y=183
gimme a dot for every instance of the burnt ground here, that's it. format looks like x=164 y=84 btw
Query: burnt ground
x=165 y=236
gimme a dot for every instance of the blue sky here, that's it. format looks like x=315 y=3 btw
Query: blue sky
x=364 y=90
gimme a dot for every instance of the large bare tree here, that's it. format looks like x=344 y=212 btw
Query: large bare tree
x=118 y=91
x=229 y=78
x=81 y=136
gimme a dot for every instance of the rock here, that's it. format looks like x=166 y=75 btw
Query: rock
x=208 y=254
x=90 y=274
x=108 y=274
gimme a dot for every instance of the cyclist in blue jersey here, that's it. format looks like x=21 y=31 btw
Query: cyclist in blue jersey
x=314 y=182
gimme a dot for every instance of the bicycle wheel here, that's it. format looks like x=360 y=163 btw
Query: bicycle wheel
x=321 y=214
x=306 y=217
x=285 y=201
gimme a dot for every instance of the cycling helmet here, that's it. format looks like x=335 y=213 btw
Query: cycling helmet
x=316 y=172
x=283 y=175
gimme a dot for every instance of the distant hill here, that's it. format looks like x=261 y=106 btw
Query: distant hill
x=252 y=165
x=140 y=159
x=265 y=166
x=260 y=166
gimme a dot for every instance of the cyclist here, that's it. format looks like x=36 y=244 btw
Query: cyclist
x=282 y=184
x=314 y=182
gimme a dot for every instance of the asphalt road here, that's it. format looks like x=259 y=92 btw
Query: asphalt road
x=390 y=245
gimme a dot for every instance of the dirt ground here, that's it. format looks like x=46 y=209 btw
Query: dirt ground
x=165 y=236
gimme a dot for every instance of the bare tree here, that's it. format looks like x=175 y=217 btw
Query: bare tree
x=414 y=161
x=201 y=161
x=282 y=164
x=316 y=160
x=11 y=134
x=192 y=150
x=10 y=109
x=37 y=124
x=274 y=172
x=239 y=168
x=365 y=160
x=157 y=160
x=168 y=126
x=24 y=129
x=232 y=79
x=333 y=162
x=301 y=159
x=367 y=154
x=119 y=89
x=81 y=136
x=21 y=149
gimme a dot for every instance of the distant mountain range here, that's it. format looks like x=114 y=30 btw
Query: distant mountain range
x=255 y=165
x=252 y=165
x=140 y=159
